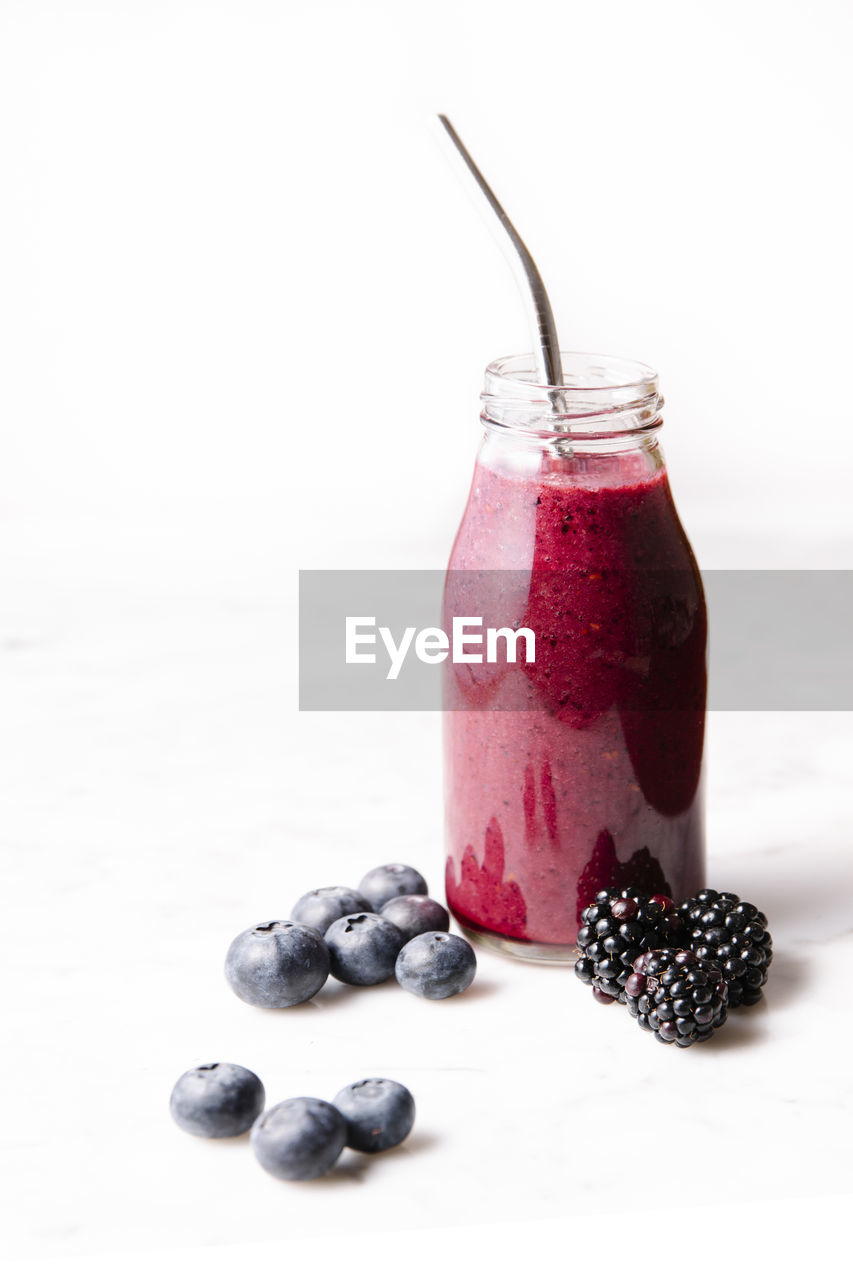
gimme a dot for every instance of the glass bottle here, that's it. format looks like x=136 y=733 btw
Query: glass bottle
x=581 y=768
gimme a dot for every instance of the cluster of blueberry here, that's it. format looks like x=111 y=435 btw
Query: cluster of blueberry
x=300 y=1138
x=678 y=969
x=387 y=927
x=362 y=936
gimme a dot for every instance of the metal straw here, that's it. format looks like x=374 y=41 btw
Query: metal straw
x=550 y=364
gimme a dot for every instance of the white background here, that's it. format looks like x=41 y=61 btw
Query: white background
x=246 y=305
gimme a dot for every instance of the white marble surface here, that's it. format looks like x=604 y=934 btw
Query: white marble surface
x=162 y=793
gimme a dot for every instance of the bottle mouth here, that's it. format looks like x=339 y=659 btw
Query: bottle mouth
x=601 y=397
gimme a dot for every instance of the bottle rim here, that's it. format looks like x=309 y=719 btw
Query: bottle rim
x=601 y=397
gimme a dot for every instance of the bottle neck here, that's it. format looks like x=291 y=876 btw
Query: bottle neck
x=605 y=405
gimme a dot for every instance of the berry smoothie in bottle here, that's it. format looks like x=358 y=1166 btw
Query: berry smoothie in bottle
x=582 y=768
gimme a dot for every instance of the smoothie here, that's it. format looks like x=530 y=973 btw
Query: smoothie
x=582 y=769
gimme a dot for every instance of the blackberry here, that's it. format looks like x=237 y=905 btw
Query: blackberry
x=678 y=997
x=720 y=929
x=619 y=926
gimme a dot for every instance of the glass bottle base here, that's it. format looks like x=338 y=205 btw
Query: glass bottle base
x=519 y=949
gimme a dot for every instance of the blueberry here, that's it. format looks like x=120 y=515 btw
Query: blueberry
x=299 y=1139
x=363 y=948
x=415 y=913
x=436 y=965
x=218 y=1100
x=277 y=964
x=321 y=907
x=390 y=881
x=379 y=1113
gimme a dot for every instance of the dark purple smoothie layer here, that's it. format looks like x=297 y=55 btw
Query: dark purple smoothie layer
x=590 y=775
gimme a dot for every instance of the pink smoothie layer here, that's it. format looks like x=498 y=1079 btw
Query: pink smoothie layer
x=590 y=775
